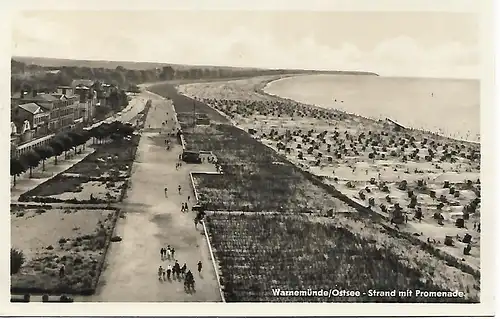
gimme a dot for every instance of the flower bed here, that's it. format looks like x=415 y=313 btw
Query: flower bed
x=254 y=177
x=77 y=239
x=112 y=159
x=81 y=189
x=103 y=174
x=261 y=252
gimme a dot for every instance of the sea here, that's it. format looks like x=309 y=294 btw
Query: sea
x=449 y=107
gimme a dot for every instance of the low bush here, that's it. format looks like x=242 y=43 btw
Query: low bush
x=17 y=260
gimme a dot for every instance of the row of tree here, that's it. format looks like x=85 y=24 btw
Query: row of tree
x=49 y=78
x=65 y=142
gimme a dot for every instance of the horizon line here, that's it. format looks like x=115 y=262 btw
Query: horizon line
x=244 y=67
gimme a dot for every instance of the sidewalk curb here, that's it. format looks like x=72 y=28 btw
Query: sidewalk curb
x=212 y=256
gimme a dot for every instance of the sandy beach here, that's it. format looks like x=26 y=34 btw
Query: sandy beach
x=448 y=106
x=432 y=181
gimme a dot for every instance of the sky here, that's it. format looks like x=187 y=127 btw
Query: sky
x=422 y=44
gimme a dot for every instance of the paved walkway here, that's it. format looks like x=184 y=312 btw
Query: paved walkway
x=153 y=221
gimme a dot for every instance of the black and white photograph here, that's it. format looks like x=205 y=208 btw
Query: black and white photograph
x=273 y=156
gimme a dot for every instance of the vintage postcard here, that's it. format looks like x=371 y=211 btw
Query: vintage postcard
x=236 y=159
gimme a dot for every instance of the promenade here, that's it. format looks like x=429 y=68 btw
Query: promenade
x=153 y=221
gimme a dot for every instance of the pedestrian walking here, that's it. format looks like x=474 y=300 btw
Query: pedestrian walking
x=183 y=269
x=62 y=271
x=189 y=197
x=166 y=194
x=168 y=252
x=199 y=266
x=186 y=208
x=179 y=188
x=160 y=272
x=172 y=252
x=169 y=271
x=177 y=268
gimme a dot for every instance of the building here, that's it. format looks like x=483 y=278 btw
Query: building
x=88 y=101
x=67 y=109
x=18 y=150
x=61 y=107
x=65 y=90
x=84 y=82
x=20 y=131
x=37 y=116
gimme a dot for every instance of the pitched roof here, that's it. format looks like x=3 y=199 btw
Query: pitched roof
x=19 y=125
x=33 y=108
x=47 y=97
x=82 y=82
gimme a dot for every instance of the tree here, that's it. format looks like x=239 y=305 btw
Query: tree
x=78 y=138
x=193 y=73
x=167 y=73
x=66 y=142
x=58 y=148
x=123 y=98
x=44 y=152
x=84 y=138
x=100 y=132
x=114 y=100
x=31 y=159
x=16 y=260
x=16 y=167
x=95 y=133
x=127 y=130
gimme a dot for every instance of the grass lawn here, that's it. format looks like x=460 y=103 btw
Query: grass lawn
x=255 y=177
x=77 y=239
x=261 y=252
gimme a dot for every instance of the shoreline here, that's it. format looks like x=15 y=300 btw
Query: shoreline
x=262 y=90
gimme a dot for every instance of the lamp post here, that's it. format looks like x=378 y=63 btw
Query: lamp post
x=194 y=114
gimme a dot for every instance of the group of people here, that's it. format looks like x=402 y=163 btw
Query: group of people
x=167 y=253
x=172 y=272
x=177 y=272
x=185 y=207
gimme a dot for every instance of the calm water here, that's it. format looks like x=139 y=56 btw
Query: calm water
x=447 y=106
